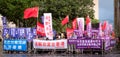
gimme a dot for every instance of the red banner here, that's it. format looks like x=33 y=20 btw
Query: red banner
x=104 y=25
x=69 y=32
x=40 y=29
x=87 y=20
x=74 y=23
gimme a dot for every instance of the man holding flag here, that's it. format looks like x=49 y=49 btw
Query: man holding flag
x=28 y=13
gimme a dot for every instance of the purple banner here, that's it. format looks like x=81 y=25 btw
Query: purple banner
x=107 y=42
x=72 y=41
x=34 y=31
x=30 y=37
x=12 y=32
x=29 y=34
x=21 y=32
x=89 y=43
x=112 y=42
x=5 y=32
x=86 y=43
x=4 y=22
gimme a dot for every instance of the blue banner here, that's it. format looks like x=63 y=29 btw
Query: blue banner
x=17 y=33
x=34 y=31
x=16 y=45
x=28 y=30
x=29 y=34
x=13 y=32
x=21 y=32
x=5 y=32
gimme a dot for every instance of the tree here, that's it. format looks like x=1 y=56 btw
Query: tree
x=13 y=10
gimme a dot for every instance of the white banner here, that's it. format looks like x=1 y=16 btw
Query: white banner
x=80 y=22
x=50 y=44
x=48 y=25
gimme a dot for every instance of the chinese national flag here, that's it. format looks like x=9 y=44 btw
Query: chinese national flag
x=69 y=32
x=104 y=25
x=40 y=29
x=87 y=20
x=65 y=20
x=74 y=23
x=31 y=12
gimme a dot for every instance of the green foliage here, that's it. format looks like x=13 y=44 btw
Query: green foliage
x=95 y=23
x=13 y=10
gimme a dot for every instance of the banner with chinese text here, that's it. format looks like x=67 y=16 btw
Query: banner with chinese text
x=48 y=25
x=50 y=44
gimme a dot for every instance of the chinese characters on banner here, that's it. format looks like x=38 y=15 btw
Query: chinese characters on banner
x=50 y=44
x=86 y=43
x=48 y=25
x=12 y=32
x=17 y=45
x=21 y=32
x=5 y=32
x=80 y=22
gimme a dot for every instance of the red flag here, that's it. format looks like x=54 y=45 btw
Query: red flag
x=74 y=23
x=87 y=20
x=65 y=20
x=104 y=25
x=69 y=32
x=31 y=12
x=40 y=29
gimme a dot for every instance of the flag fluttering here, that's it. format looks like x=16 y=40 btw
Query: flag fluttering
x=40 y=29
x=65 y=20
x=69 y=32
x=104 y=25
x=31 y=12
x=74 y=24
x=88 y=20
x=88 y=26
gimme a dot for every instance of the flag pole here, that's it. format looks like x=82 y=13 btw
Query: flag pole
x=37 y=17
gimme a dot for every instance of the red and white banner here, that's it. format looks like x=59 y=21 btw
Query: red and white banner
x=40 y=29
x=48 y=25
x=50 y=44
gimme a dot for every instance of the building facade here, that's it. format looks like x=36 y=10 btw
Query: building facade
x=96 y=8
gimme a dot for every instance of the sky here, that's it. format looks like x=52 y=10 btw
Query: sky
x=106 y=10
